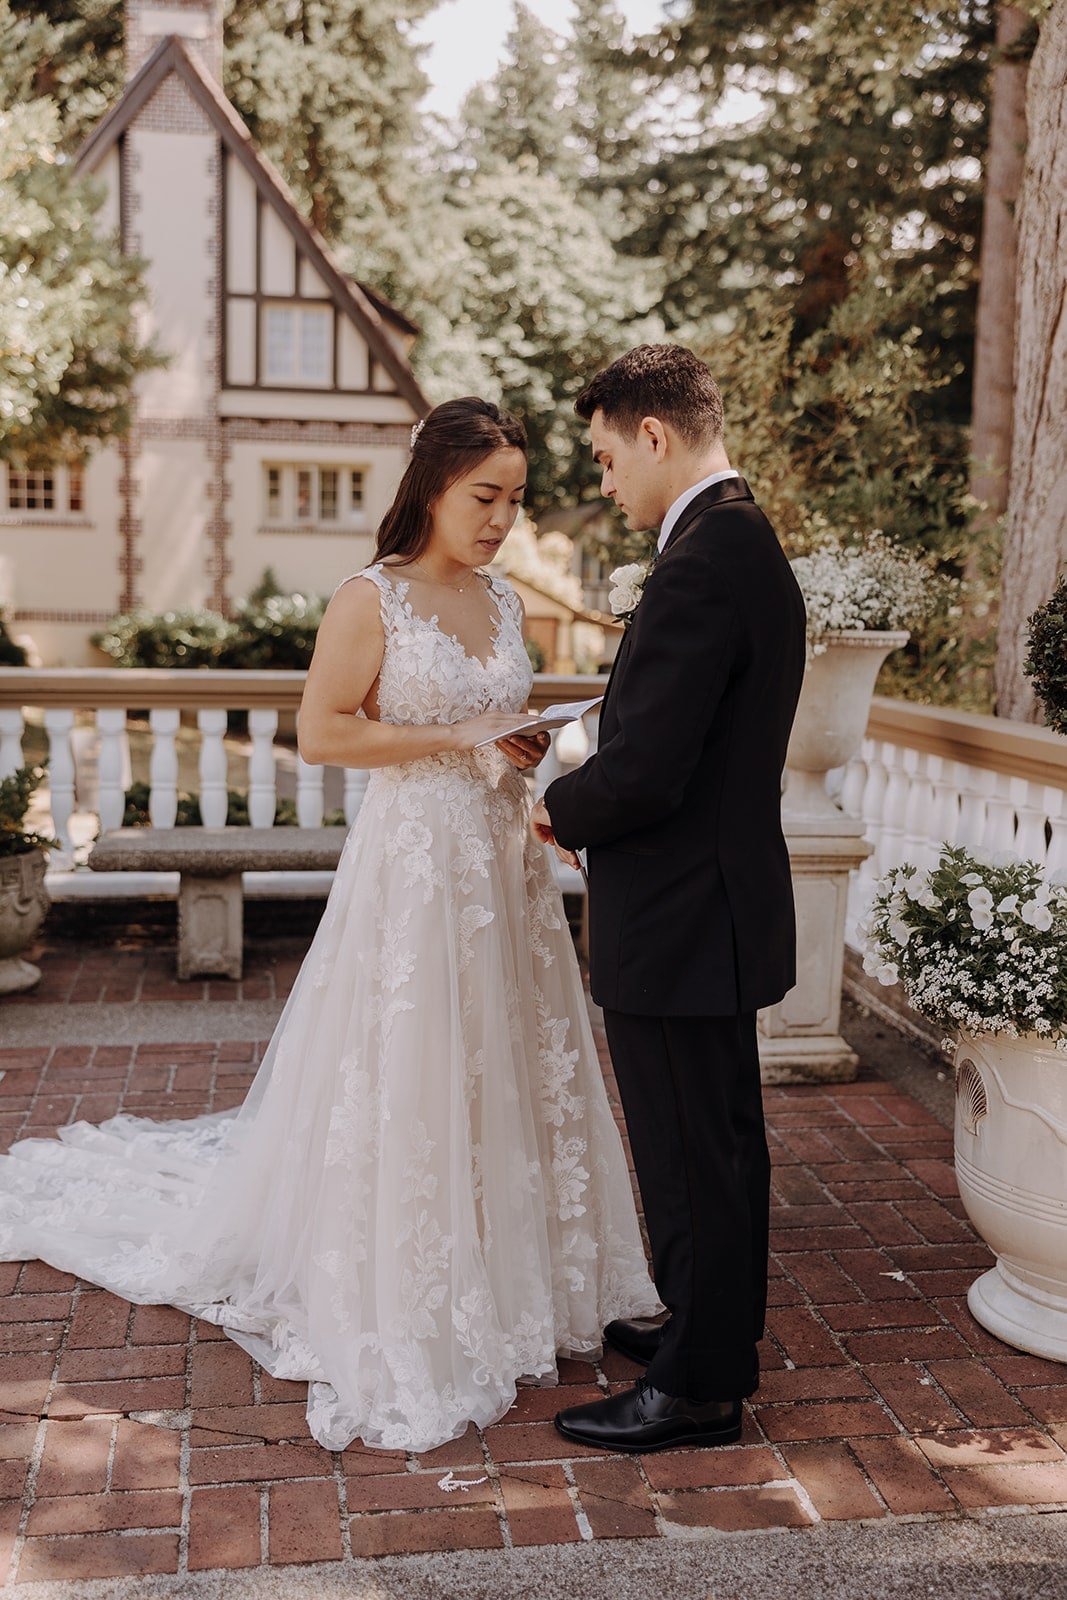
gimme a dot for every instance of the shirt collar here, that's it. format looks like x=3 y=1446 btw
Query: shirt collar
x=685 y=498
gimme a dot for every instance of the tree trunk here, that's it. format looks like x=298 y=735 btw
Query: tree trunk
x=1036 y=534
x=991 y=421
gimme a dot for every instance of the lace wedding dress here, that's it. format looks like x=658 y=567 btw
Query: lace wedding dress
x=424 y=1196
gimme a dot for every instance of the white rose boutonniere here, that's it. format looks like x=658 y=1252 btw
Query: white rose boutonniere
x=629 y=584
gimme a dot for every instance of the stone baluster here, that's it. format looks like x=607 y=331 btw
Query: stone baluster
x=872 y=808
x=891 y=851
x=310 y=804
x=10 y=741
x=853 y=787
x=59 y=726
x=971 y=829
x=355 y=788
x=1000 y=811
x=163 y=767
x=1028 y=800
x=1056 y=809
x=262 y=781
x=945 y=805
x=918 y=811
x=213 y=799
x=112 y=762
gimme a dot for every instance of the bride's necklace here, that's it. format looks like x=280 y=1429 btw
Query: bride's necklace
x=457 y=588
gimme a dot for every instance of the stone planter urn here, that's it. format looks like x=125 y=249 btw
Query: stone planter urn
x=831 y=719
x=23 y=904
x=1011 y=1166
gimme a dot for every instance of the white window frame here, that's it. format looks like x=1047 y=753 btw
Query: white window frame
x=351 y=515
x=65 y=478
x=293 y=369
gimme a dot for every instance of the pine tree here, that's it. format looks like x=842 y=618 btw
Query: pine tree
x=611 y=112
x=70 y=51
x=67 y=296
x=330 y=91
x=524 y=116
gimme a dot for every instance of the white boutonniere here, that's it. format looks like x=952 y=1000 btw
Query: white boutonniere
x=629 y=584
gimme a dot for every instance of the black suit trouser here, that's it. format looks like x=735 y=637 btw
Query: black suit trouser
x=690 y=1089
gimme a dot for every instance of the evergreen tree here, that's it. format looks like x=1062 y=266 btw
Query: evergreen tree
x=67 y=297
x=330 y=91
x=524 y=117
x=71 y=52
x=611 y=113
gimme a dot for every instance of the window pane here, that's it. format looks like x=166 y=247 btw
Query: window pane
x=46 y=487
x=356 y=492
x=281 y=351
x=327 y=494
x=75 y=486
x=303 y=495
x=16 y=491
x=315 y=326
x=274 y=493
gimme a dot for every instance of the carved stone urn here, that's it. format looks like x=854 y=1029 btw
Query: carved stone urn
x=1011 y=1166
x=23 y=904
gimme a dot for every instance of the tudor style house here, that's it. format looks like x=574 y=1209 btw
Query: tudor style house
x=278 y=431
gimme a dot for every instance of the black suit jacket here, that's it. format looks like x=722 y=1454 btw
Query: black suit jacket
x=690 y=895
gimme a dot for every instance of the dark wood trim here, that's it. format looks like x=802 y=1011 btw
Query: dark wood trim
x=170 y=55
x=124 y=199
x=258 y=319
x=223 y=258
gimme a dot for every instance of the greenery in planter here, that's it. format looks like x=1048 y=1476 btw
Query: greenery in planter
x=979 y=943
x=188 y=815
x=866 y=584
x=1046 y=660
x=11 y=653
x=16 y=792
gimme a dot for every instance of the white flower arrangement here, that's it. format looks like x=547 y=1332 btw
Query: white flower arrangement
x=629 y=583
x=979 y=943
x=869 y=585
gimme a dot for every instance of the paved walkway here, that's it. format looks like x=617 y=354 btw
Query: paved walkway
x=136 y=1442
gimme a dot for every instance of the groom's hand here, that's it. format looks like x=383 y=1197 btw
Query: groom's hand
x=541 y=823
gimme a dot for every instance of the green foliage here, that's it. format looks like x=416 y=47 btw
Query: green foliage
x=11 y=653
x=71 y=352
x=188 y=814
x=16 y=792
x=536 y=655
x=270 y=630
x=1046 y=660
x=71 y=52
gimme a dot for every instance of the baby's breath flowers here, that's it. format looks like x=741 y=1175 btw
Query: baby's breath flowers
x=869 y=585
x=979 y=943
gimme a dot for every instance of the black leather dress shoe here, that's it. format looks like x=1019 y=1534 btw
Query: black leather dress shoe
x=639 y=1341
x=643 y=1419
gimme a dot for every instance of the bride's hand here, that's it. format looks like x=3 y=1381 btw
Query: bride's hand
x=465 y=735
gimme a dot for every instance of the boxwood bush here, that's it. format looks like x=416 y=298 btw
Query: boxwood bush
x=1046 y=660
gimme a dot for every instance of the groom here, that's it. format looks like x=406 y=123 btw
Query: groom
x=690 y=898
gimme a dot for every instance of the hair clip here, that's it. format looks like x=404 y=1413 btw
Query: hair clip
x=416 y=430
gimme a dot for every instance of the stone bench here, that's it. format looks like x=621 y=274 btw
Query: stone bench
x=210 y=862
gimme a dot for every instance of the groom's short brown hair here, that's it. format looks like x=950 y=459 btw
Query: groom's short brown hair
x=656 y=380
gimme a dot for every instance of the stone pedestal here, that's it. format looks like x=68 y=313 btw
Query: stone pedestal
x=210 y=926
x=799 y=1041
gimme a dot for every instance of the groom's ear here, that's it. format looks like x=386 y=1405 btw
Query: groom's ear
x=654 y=437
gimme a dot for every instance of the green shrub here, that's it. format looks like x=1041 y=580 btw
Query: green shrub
x=11 y=654
x=16 y=792
x=188 y=814
x=1046 y=660
x=536 y=655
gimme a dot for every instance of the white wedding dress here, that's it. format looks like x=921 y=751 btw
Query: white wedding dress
x=424 y=1197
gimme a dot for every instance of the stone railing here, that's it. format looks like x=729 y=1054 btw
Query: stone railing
x=927 y=776
x=83 y=715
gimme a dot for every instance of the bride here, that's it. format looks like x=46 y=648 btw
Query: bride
x=424 y=1198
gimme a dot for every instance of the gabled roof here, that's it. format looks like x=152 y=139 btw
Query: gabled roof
x=368 y=309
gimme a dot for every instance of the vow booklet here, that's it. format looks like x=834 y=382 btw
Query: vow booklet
x=551 y=717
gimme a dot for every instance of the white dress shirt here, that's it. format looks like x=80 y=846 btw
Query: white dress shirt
x=684 y=499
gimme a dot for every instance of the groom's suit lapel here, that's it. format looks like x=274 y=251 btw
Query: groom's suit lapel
x=724 y=493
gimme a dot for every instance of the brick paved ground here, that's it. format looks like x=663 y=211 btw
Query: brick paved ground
x=135 y=1441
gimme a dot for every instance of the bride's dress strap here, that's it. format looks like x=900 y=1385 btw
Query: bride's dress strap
x=390 y=592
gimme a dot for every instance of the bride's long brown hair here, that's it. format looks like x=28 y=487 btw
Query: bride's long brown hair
x=451 y=442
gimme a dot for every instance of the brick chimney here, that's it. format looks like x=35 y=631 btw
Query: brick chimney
x=198 y=23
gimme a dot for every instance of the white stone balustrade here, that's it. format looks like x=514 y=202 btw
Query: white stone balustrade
x=927 y=776
x=97 y=702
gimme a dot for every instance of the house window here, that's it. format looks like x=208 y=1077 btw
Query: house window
x=298 y=344
x=51 y=492
x=304 y=495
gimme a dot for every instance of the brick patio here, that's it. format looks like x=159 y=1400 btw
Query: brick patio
x=136 y=1441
